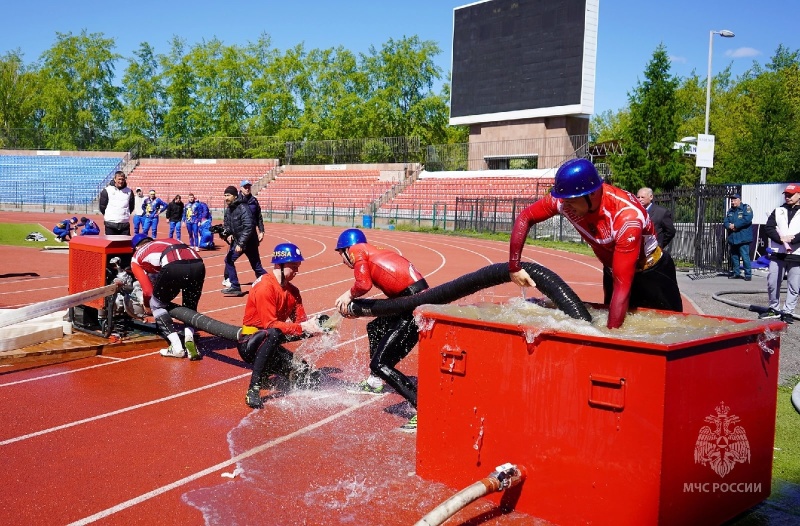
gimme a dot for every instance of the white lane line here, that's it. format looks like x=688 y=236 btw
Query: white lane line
x=120 y=411
x=118 y=360
x=222 y=465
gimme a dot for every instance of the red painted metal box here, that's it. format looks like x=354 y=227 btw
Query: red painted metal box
x=609 y=431
x=88 y=262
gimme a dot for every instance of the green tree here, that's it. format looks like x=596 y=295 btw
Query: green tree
x=18 y=101
x=649 y=158
x=401 y=77
x=766 y=147
x=181 y=121
x=143 y=97
x=78 y=93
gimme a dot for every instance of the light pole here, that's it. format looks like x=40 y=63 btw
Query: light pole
x=727 y=34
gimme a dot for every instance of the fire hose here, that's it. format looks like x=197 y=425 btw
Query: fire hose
x=503 y=477
x=547 y=281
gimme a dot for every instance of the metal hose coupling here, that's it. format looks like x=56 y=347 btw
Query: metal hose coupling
x=507 y=475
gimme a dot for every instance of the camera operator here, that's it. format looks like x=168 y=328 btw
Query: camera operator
x=241 y=238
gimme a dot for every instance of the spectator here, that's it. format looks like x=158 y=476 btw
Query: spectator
x=245 y=194
x=192 y=220
x=273 y=315
x=175 y=216
x=64 y=229
x=783 y=232
x=660 y=216
x=152 y=206
x=90 y=228
x=636 y=272
x=165 y=268
x=138 y=218
x=240 y=236
x=392 y=337
x=738 y=221
x=116 y=203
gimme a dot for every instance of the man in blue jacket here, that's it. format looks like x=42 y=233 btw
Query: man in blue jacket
x=738 y=221
x=151 y=208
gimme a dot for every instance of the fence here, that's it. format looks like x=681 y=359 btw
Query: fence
x=698 y=214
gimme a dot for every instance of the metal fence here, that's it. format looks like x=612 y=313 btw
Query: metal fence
x=547 y=152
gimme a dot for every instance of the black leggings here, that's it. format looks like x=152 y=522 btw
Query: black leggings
x=654 y=288
x=391 y=338
x=263 y=349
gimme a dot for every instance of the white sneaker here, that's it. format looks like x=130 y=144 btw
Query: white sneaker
x=191 y=348
x=170 y=353
x=226 y=283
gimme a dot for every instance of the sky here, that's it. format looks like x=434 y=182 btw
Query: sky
x=629 y=30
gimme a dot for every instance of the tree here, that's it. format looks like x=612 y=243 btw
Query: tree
x=401 y=76
x=766 y=149
x=18 y=101
x=649 y=158
x=143 y=97
x=78 y=93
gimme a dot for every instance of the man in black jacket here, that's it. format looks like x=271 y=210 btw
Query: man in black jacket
x=240 y=235
x=660 y=216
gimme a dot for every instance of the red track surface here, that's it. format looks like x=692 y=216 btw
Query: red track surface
x=137 y=438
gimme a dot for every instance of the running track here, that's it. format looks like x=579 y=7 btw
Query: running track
x=137 y=438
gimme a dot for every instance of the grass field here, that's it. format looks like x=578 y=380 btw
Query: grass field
x=14 y=234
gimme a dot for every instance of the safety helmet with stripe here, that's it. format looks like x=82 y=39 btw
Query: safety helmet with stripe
x=286 y=253
x=350 y=237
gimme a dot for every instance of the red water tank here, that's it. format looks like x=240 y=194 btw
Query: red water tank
x=609 y=431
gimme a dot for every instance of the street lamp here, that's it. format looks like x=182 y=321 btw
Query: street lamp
x=727 y=34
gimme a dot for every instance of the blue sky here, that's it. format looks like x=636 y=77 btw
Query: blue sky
x=629 y=31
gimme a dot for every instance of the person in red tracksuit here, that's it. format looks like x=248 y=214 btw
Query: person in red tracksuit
x=636 y=272
x=274 y=314
x=165 y=268
x=391 y=338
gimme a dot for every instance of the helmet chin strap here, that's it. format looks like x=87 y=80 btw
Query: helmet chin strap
x=589 y=203
x=283 y=276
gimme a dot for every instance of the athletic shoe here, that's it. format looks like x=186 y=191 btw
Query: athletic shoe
x=787 y=317
x=735 y=276
x=410 y=426
x=191 y=348
x=770 y=314
x=253 y=398
x=365 y=388
x=169 y=352
x=232 y=291
x=226 y=283
x=748 y=278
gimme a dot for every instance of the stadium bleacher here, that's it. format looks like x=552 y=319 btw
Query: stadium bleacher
x=207 y=181
x=54 y=179
x=433 y=196
x=324 y=191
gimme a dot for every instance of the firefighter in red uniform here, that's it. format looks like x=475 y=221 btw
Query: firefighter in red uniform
x=274 y=314
x=164 y=268
x=392 y=337
x=636 y=272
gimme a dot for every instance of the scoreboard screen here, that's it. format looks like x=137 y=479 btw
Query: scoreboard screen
x=517 y=59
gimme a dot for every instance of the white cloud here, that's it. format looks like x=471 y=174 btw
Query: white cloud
x=680 y=60
x=742 y=52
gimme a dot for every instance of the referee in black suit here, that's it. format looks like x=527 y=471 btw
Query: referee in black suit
x=660 y=216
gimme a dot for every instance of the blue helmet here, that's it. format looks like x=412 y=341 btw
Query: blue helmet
x=576 y=178
x=286 y=253
x=350 y=237
x=138 y=238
